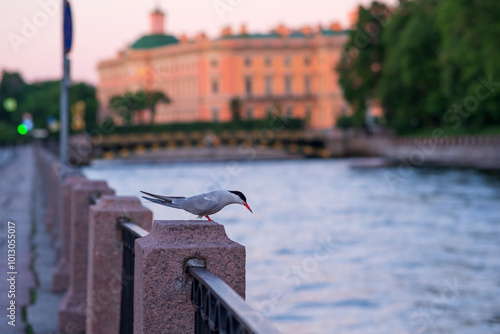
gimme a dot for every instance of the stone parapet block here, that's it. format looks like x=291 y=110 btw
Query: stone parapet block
x=162 y=288
x=60 y=275
x=73 y=306
x=104 y=282
x=51 y=213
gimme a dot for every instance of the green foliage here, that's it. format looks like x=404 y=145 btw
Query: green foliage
x=217 y=127
x=86 y=93
x=41 y=100
x=345 y=122
x=359 y=67
x=470 y=30
x=13 y=86
x=8 y=133
x=152 y=99
x=409 y=88
x=434 y=56
x=129 y=104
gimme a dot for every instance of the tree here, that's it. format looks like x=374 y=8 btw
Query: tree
x=86 y=93
x=127 y=105
x=431 y=63
x=152 y=99
x=362 y=59
x=409 y=85
x=41 y=100
x=12 y=85
x=235 y=107
x=118 y=105
x=468 y=54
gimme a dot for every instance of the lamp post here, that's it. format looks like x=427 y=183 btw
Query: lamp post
x=65 y=82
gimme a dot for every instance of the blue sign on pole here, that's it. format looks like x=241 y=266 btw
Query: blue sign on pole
x=68 y=27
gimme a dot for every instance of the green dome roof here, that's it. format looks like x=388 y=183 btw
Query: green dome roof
x=154 y=41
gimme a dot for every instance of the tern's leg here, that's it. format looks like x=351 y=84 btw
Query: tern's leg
x=209 y=219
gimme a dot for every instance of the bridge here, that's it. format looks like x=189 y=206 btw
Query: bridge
x=476 y=151
x=230 y=145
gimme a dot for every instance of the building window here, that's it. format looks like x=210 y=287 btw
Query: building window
x=249 y=113
x=288 y=60
x=289 y=112
x=248 y=61
x=215 y=86
x=307 y=84
x=215 y=114
x=213 y=63
x=248 y=85
x=307 y=61
x=288 y=84
x=268 y=61
x=269 y=85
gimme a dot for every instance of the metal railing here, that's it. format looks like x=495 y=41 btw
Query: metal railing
x=130 y=232
x=94 y=198
x=219 y=309
x=294 y=140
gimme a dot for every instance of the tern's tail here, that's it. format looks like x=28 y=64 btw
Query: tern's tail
x=163 y=200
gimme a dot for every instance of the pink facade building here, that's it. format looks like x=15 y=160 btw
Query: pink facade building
x=292 y=71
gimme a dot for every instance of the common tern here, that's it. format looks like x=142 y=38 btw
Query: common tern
x=202 y=205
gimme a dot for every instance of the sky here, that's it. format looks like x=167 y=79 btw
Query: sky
x=31 y=38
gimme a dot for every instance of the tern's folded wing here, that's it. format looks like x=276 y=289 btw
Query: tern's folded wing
x=200 y=204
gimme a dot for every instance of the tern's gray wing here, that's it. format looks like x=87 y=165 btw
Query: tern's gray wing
x=170 y=201
x=201 y=205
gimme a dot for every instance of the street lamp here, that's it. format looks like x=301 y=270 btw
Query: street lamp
x=65 y=82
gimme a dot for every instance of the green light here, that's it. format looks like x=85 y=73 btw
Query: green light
x=22 y=129
x=10 y=104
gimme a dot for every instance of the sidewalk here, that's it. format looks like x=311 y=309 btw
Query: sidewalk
x=42 y=313
x=21 y=203
x=16 y=206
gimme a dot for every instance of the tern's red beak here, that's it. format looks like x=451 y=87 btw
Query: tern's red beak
x=245 y=204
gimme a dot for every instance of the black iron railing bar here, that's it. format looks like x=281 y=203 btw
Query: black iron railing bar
x=130 y=232
x=94 y=197
x=232 y=301
x=134 y=229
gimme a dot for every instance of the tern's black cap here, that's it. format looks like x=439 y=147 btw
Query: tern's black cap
x=240 y=194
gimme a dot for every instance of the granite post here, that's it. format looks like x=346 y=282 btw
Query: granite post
x=162 y=288
x=104 y=282
x=51 y=212
x=73 y=306
x=60 y=275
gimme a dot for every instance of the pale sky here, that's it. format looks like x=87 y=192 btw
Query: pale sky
x=31 y=38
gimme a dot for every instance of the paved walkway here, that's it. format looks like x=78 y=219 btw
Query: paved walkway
x=21 y=204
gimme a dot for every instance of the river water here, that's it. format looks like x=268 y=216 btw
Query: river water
x=335 y=249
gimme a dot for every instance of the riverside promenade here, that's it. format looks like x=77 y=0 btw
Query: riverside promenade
x=21 y=204
x=113 y=242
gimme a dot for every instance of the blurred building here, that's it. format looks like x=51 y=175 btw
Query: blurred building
x=287 y=70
